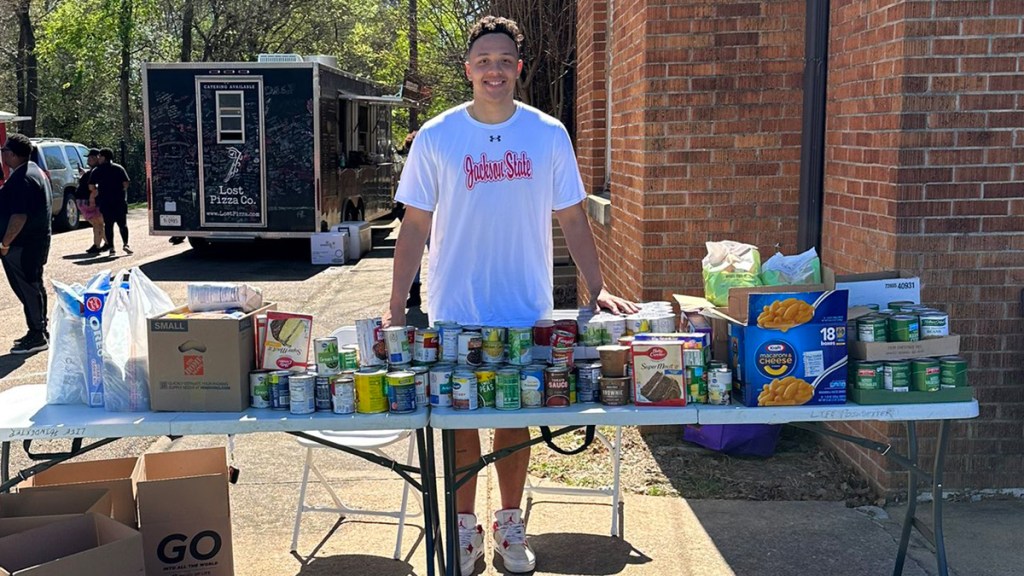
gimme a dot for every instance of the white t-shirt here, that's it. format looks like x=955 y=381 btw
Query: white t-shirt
x=492 y=189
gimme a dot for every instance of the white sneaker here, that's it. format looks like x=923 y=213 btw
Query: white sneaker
x=471 y=543
x=510 y=541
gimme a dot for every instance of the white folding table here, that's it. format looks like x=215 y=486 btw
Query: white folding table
x=24 y=415
x=570 y=418
x=811 y=418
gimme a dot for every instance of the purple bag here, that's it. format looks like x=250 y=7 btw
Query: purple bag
x=735 y=439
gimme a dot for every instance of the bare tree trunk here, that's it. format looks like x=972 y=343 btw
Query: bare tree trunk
x=27 y=69
x=187 y=16
x=414 y=61
x=125 y=23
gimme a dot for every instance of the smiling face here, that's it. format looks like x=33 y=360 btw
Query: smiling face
x=492 y=66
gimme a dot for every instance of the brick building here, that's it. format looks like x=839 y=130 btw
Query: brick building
x=924 y=168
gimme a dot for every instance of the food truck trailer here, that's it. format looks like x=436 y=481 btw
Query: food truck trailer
x=280 y=148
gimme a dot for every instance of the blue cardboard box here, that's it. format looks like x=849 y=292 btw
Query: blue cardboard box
x=783 y=358
x=95 y=298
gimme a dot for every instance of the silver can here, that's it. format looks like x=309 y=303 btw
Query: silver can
x=396 y=338
x=440 y=392
x=464 y=391
x=448 y=340
x=370 y=337
x=302 y=393
x=279 y=393
x=323 y=393
x=588 y=382
x=720 y=386
x=259 y=389
x=470 y=349
x=343 y=395
x=421 y=375
x=425 y=349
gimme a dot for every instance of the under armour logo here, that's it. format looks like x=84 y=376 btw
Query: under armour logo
x=496 y=138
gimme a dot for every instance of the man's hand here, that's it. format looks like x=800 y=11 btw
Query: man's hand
x=614 y=304
x=393 y=317
x=5 y=250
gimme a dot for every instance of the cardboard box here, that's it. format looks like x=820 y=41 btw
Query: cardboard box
x=95 y=300
x=27 y=510
x=201 y=364
x=658 y=373
x=328 y=247
x=875 y=288
x=812 y=351
x=184 y=513
x=114 y=475
x=83 y=545
x=946 y=346
x=359 y=239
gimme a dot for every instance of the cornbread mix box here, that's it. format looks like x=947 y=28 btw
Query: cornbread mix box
x=658 y=373
x=792 y=349
x=286 y=341
x=200 y=362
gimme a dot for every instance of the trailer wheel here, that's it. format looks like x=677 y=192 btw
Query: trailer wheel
x=199 y=244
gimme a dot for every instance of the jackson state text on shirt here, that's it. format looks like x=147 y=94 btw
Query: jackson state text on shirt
x=512 y=167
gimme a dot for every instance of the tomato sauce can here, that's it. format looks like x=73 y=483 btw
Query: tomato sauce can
x=556 y=386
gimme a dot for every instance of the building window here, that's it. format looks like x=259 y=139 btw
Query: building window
x=230 y=127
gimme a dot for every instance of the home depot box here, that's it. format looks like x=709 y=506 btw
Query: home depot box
x=184 y=513
x=114 y=475
x=83 y=545
x=792 y=349
x=26 y=510
x=876 y=287
x=201 y=362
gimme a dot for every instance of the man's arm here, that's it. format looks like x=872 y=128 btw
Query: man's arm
x=14 y=226
x=580 y=239
x=408 y=253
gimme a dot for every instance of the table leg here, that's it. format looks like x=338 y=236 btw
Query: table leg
x=937 y=497
x=434 y=512
x=426 y=491
x=451 y=514
x=5 y=462
x=908 y=519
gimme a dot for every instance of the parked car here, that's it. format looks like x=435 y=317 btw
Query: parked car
x=62 y=162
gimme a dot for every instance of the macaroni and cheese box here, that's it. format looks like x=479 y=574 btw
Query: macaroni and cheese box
x=792 y=349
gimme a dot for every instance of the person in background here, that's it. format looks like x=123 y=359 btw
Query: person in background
x=25 y=232
x=483 y=180
x=110 y=181
x=85 y=198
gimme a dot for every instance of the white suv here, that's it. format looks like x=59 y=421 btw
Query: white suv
x=63 y=163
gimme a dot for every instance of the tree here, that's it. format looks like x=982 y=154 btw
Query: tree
x=26 y=69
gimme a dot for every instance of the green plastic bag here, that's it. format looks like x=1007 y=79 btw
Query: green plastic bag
x=729 y=265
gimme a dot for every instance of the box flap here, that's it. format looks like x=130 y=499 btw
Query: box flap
x=77 y=472
x=54 y=501
x=692 y=303
x=182 y=464
x=85 y=545
x=739 y=298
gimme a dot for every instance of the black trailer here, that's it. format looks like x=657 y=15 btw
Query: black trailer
x=264 y=150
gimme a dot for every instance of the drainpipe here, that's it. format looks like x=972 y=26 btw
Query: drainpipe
x=812 y=144
x=609 y=19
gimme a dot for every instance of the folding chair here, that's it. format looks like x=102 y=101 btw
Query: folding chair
x=369 y=441
x=612 y=492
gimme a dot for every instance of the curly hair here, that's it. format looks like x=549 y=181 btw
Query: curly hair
x=495 y=25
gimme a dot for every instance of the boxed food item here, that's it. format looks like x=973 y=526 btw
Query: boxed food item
x=95 y=298
x=114 y=475
x=201 y=362
x=184 y=512
x=658 y=373
x=81 y=545
x=286 y=341
x=696 y=355
x=792 y=350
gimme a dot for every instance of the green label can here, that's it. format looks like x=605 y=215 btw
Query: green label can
x=952 y=372
x=869 y=376
x=899 y=304
x=934 y=324
x=485 y=387
x=903 y=328
x=520 y=346
x=349 y=357
x=506 y=389
x=871 y=328
x=925 y=374
x=896 y=375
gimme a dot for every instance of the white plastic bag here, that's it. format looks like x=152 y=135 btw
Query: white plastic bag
x=65 y=369
x=125 y=343
x=803 y=268
x=216 y=296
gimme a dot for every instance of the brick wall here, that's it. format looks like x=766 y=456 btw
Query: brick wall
x=925 y=173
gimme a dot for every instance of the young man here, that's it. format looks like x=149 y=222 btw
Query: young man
x=110 y=181
x=86 y=200
x=484 y=179
x=25 y=238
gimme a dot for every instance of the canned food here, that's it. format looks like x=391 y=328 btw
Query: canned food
x=719 y=386
x=588 y=382
x=371 y=398
x=426 y=347
x=440 y=392
x=348 y=357
x=869 y=376
x=616 y=326
x=563 y=339
x=421 y=374
x=506 y=389
x=448 y=340
x=563 y=357
x=471 y=349
x=934 y=324
x=903 y=328
x=871 y=328
x=543 y=330
x=259 y=389
x=637 y=324
x=568 y=325
x=464 y=391
x=896 y=376
x=485 y=387
x=323 y=393
x=302 y=393
x=520 y=346
x=872 y=307
x=592 y=331
x=531 y=386
x=279 y=394
x=556 y=386
x=925 y=374
x=614 y=391
x=493 y=344
x=696 y=382
x=397 y=340
x=372 y=350
x=899 y=305
x=401 y=392
x=325 y=350
x=343 y=394
x=952 y=372
x=663 y=323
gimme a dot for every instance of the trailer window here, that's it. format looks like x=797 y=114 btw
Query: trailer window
x=230 y=129
x=363 y=127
